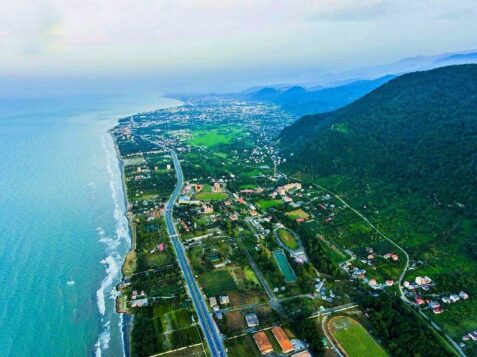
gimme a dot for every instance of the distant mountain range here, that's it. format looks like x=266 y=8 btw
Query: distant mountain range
x=417 y=131
x=301 y=101
x=335 y=90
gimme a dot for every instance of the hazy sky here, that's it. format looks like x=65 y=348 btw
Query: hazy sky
x=224 y=39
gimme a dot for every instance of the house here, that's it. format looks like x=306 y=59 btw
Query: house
x=184 y=200
x=224 y=300
x=389 y=282
x=252 y=320
x=282 y=339
x=217 y=187
x=263 y=343
x=304 y=353
x=373 y=283
x=454 y=298
x=207 y=209
x=212 y=301
x=463 y=295
x=420 y=300
x=198 y=188
x=446 y=300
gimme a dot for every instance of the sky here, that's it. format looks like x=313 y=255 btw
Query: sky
x=222 y=44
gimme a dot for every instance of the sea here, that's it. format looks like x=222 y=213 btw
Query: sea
x=63 y=229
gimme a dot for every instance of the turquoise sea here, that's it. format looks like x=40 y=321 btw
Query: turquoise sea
x=63 y=232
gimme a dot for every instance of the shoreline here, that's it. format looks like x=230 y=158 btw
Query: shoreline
x=126 y=316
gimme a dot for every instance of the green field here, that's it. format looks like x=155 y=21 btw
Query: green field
x=211 y=196
x=248 y=187
x=298 y=213
x=266 y=204
x=217 y=282
x=213 y=137
x=353 y=338
x=287 y=238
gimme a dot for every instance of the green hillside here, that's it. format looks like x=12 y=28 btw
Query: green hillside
x=405 y=155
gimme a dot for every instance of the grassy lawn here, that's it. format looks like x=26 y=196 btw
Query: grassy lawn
x=217 y=282
x=298 y=213
x=287 y=238
x=266 y=204
x=212 y=137
x=248 y=187
x=354 y=339
x=211 y=196
x=242 y=346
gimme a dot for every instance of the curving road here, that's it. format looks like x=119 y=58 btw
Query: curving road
x=211 y=332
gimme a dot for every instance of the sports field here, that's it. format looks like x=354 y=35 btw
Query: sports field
x=287 y=238
x=211 y=196
x=353 y=338
x=266 y=204
x=298 y=213
x=284 y=266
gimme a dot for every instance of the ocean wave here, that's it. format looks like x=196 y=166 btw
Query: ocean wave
x=112 y=244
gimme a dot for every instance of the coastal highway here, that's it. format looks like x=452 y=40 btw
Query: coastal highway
x=211 y=332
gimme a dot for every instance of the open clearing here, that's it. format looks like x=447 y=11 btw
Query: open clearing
x=353 y=338
x=266 y=204
x=213 y=137
x=217 y=282
x=298 y=213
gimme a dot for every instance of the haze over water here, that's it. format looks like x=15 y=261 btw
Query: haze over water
x=63 y=233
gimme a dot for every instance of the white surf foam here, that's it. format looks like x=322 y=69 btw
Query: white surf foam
x=114 y=259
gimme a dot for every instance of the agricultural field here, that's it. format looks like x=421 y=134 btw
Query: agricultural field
x=217 y=282
x=353 y=338
x=216 y=136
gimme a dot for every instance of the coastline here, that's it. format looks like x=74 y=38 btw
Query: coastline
x=126 y=316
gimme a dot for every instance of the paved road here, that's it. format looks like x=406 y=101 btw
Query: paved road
x=211 y=332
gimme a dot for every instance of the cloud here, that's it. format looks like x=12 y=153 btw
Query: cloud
x=351 y=11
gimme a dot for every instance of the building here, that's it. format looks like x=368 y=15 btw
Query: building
x=217 y=187
x=263 y=343
x=304 y=353
x=224 y=300
x=198 y=188
x=212 y=301
x=282 y=339
x=184 y=200
x=252 y=320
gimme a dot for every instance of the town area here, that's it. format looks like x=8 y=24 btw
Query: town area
x=284 y=266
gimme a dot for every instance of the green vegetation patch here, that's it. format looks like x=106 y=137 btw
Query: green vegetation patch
x=266 y=204
x=217 y=282
x=212 y=137
x=298 y=213
x=211 y=196
x=354 y=339
x=287 y=238
x=242 y=346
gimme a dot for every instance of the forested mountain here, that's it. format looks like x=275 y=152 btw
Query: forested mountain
x=418 y=131
x=301 y=101
x=405 y=156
